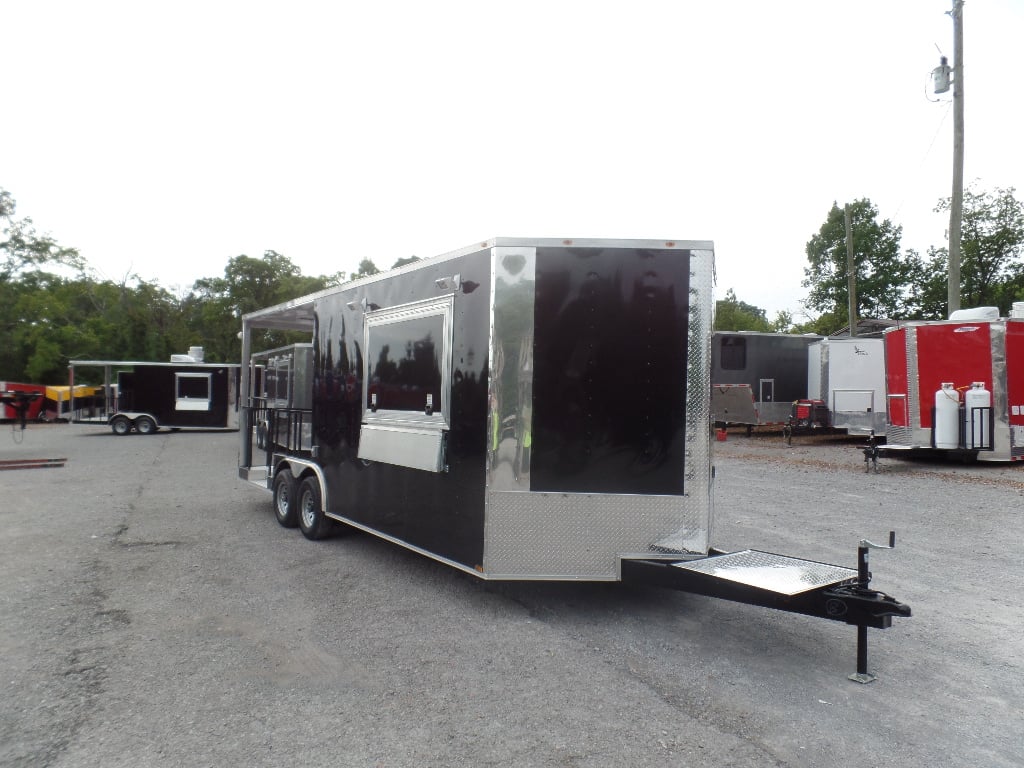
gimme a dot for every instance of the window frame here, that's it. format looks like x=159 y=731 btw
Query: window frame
x=441 y=417
x=188 y=402
x=737 y=346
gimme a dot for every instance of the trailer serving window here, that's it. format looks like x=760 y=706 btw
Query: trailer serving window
x=407 y=386
x=192 y=391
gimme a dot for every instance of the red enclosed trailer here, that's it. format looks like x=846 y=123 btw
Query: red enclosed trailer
x=16 y=396
x=956 y=386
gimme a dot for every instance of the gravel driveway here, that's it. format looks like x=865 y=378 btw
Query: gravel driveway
x=155 y=614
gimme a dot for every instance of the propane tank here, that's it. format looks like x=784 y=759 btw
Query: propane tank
x=947 y=417
x=976 y=422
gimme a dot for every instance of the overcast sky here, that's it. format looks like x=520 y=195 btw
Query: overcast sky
x=162 y=139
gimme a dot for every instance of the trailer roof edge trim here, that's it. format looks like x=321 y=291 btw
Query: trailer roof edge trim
x=72 y=363
x=297 y=314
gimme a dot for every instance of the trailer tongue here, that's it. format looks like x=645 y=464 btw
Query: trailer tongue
x=519 y=409
x=784 y=583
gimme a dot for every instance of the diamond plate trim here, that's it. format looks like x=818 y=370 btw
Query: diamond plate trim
x=583 y=536
x=775 y=573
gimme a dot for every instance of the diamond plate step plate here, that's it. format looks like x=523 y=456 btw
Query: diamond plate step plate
x=775 y=573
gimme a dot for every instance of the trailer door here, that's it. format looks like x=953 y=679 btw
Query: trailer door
x=896 y=378
x=960 y=353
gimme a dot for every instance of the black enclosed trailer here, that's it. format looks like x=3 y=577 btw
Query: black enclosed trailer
x=773 y=365
x=148 y=396
x=525 y=409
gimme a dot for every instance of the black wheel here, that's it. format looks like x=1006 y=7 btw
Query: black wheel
x=145 y=425
x=121 y=425
x=285 y=501
x=312 y=521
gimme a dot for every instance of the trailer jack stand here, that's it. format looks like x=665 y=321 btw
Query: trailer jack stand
x=889 y=606
x=870 y=454
x=862 y=675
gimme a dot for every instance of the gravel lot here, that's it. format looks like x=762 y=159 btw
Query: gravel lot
x=155 y=614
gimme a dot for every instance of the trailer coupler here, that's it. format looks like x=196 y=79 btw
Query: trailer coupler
x=783 y=583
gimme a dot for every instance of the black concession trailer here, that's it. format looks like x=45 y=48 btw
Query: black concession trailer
x=183 y=394
x=525 y=409
x=773 y=365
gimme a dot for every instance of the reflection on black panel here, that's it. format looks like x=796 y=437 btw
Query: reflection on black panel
x=609 y=390
x=405 y=364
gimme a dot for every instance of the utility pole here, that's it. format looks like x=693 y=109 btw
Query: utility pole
x=851 y=275
x=957 y=201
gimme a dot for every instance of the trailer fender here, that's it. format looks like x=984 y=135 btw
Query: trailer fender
x=300 y=468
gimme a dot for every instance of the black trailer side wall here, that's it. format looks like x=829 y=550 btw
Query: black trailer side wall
x=609 y=345
x=441 y=512
x=153 y=389
x=747 y=358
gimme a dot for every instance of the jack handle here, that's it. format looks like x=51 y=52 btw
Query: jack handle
x=863 y=574
x=871 y=545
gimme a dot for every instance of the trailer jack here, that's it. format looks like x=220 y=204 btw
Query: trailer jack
x=870 y=453
x=784 y=583
x=878 y=603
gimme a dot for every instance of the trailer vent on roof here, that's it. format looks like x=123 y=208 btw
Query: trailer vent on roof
x=195 y=355
x=985 y=314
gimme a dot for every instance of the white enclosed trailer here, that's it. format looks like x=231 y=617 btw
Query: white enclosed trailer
x=848 y=375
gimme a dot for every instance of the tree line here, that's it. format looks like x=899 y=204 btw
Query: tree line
x=891 y=283
x=54 y=307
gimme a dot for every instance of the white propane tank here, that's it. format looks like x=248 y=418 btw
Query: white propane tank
x=976 y=423
x=947 y=417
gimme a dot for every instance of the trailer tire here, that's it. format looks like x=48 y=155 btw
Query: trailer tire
x=144 y=425
x=286 y=502
x=120 y=425
x=313 y=523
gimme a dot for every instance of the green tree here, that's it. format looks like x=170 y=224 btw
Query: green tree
x=366 y=268
x=991 y=246
x=34 y=301
x=884 y=278
x=215 y=306
x=783 y=322
x=22 y=248
x=731 y=314
x=403 y=261
x=53 y=308
x=931 y=299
